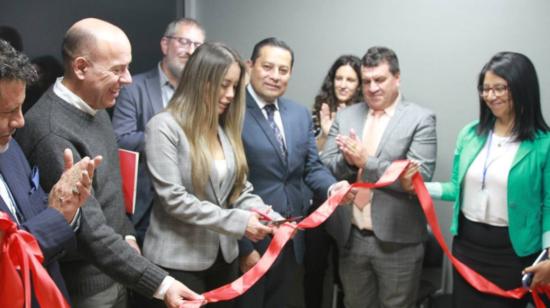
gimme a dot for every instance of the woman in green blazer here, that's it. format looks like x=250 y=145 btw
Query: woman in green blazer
x=500 y=182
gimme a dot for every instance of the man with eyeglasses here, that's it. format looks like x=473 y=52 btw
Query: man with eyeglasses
x=380 y=237
x=145 y=97
x=71 y=114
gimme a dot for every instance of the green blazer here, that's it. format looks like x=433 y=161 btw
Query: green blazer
x=528 y=188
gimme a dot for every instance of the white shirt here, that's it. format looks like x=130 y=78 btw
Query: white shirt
x=8 y=198
x=72 y=99
x=489 y=205
x=221 y=168
x=276 y=115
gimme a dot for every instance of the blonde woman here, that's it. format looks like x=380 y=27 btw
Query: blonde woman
x=196 y=159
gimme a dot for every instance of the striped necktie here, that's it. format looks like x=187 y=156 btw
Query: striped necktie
x=270 y=110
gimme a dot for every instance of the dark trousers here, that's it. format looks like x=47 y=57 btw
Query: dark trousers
x=220 y=273
x=487 y=249
x=141 y=226
x=274 y=288
x=319 y=248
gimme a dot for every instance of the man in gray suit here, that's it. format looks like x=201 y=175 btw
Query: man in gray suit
x=381 y=234
x=148 y=94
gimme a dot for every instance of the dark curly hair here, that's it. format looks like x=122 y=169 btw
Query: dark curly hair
x=326 y=93
x=15 y=65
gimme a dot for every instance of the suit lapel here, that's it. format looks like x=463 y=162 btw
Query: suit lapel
x=359 y=120
x=153 y=90
x=525 y=148
x=286 y=118
x=392 y=125
x=214 y=181
x=470 y=151
x=259 y=117
x=14 y=181
x=227 y=184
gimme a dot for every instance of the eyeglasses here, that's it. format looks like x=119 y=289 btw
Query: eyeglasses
x=184 y=42
x=498 y=90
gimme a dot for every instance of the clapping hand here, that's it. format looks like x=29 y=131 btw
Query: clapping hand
x=74 y=186
x=355 y=153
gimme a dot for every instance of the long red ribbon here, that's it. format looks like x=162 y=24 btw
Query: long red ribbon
x=284 y=233
x=21 y=257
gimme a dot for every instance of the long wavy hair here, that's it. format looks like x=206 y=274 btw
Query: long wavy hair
x=195 y=107
x=327 y=94
x=521 y=76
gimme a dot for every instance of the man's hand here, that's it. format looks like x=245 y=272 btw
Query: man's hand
x=178 y=293
x=353 y=149
x=247 y=262
x=255 y=230
x=343 y=186
x=74 y=186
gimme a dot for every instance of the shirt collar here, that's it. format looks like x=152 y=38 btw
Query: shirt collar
x=163 y=78
x=261 y=103
x=390 y=110
x=71 y=98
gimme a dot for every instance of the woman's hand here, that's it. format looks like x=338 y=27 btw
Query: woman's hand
x=541 y=274
x=325 y=119
x=406 y=177
x=255 y=230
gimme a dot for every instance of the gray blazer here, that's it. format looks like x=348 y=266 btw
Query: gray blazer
x=396 y=215
x=186 y=232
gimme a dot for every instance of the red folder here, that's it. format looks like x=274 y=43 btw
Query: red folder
x=129 y=174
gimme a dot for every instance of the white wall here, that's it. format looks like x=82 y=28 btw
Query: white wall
x=441 y=45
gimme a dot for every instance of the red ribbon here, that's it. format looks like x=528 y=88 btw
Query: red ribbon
x=21 y=257
x=284 y=233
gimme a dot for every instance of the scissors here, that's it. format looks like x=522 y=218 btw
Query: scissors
x=282 y=221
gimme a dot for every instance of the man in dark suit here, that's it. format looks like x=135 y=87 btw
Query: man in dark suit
x=52 y=220
x=148 y=94
x=380 y=236
x=282 y=158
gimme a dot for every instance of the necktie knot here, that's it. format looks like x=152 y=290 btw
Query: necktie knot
x=377 y=113
x=270 y=109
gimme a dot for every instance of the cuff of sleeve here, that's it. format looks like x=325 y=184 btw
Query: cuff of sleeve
x=164 y=286
x=130 y=237
x=329 y=190
x=546 y=240
x=435 y=189
x=150 y=280
x=75 y=223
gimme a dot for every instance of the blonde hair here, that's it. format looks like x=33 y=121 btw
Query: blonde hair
x=195 y=107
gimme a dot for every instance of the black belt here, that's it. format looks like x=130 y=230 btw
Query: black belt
x=363 y=232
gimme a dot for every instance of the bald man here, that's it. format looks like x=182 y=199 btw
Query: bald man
x=71 y=114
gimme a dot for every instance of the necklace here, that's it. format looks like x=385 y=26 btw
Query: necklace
x=504 y=141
